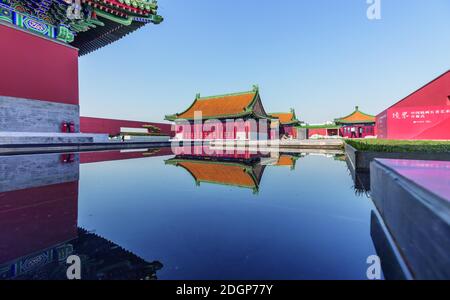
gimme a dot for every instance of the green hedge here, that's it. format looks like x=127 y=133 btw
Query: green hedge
x=377 y=145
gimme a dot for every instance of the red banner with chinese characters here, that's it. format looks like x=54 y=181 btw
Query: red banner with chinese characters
x=419 y=122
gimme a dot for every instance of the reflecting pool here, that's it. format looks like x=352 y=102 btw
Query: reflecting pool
x=150 y=213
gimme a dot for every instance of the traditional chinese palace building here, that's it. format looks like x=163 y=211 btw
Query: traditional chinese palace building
x=288 y=123
x=41 y=41
x=356 y=125
x=224 y=117
x=423 y=115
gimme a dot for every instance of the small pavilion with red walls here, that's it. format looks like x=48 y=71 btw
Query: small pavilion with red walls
x=423 y=115
x=225 y=117
x=288 y=123
x=356 y=125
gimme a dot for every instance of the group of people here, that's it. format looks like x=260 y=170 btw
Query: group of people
x=353 y=134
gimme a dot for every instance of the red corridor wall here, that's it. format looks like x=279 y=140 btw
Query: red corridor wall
x=112 y=126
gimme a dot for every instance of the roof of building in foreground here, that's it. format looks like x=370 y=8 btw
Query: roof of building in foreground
x=356 y=117
x=237 y=105
x=88 y=27
x=287 y=118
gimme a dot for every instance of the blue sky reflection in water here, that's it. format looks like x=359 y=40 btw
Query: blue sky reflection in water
x=305 y=223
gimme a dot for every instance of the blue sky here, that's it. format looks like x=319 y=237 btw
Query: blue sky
x=321 y=57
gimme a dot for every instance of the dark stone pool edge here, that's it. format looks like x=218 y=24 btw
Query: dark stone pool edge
x=75 y=147
x=393 y=265
x=417 y=219
x=360 y=160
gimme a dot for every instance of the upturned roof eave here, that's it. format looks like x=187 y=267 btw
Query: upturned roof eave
x=342 y=119
x=293 y=123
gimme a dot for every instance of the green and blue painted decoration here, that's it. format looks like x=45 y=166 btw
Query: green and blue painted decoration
x=51 y=18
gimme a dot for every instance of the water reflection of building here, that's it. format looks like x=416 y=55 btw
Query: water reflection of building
x=287 y=160
x=38 y=223
x=361 y=179
x=102 y=156
x=231 y=167
x=239 y=173
x=208 y=153
x=101 y=259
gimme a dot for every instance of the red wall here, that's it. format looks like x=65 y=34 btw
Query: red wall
x=319 y=131
x=36 y=68
x=223 y=130
x=423 y=115
x=381 y=125
x=289 y=130
x=112 y=127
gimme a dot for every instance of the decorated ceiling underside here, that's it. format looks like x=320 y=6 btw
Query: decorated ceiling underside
x=85 y=24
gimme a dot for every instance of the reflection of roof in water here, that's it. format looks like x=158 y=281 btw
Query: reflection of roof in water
x=232 y=173
x=101 y=259
x=287 y=160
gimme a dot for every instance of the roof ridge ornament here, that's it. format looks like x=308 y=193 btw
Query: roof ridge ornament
x=73 y=9
x=294 y=115
x=255 y=88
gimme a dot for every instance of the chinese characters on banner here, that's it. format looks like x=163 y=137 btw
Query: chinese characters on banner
x=417 y=122
x=420 y=116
